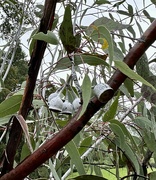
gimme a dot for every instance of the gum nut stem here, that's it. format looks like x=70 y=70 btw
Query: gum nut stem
x=76 y=104
x=67 y=108
x=56 y=104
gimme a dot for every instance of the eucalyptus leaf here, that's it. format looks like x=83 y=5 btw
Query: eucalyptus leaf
x=152 y=175
x=99 y=2
x=126 y=132
x=53 y=170
x=130 y=154
x=142 y=67
x=10 y=105
x=5 y=119
x=90 y=59
x=129 y=85
x=75 y=157
x=110 y=114
x=147 y=92
x=85 y=144
x=66 y=31
x=118 y=131
x=86 y=93
x=49 y=37
x=108 y=23
x=100 y=33
x=131 y=74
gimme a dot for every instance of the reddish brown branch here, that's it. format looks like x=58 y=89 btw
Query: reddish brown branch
x=34 y=65
x=75 y=126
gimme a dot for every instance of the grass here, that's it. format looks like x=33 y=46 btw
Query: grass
x=110 y=174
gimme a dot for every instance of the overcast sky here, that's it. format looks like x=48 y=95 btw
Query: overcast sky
x=137 y=4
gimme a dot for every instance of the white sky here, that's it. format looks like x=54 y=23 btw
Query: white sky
x=90 y=18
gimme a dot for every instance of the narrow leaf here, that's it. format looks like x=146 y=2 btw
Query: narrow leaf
x=129 y=85
x=90 y=59
x=131 y=74
x=53 y=170
x=142 y=67
x=118 y=131
x=24 y=126
x=99 y=2
x=100 y=33
x=152 y=175
x=110 y=114
x=130 y=154
x=86 y=93
x=108 y=23
x=85 y=144
x=49 y=37
x=75 y=157
x=10 y=105
x=66 y=31
x=126 y=132
x=5 y=119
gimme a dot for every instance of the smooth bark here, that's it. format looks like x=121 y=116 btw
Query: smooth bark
x=34 y=66
x=75 y=125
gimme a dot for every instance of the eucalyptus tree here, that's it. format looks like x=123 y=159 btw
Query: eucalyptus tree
x=85 y=106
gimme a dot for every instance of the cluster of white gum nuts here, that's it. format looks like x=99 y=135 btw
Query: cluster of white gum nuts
x=102 y=91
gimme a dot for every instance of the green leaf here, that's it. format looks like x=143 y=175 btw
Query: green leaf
x=118 y=131
x=49 y=37
x=143 y=122
x=152 y=175
x=85 y=144
x=101 y=32
x=55 y=21
x=153 y=1
x=132 y=157
x=129 y=153
x=62 y=123
x=66 y=32
x=90 y=59
x=53 y=170
x=5 y=119
x=123 y=12
x=126 y=132
x=150 y=144
x=97 y=171
x=25 y=152
x=75 y=157
x=129 y=85
x=88 y=177
x=110 y=114
x=38 y=103
x=99 y=2
x=10 y=105
x=86 y=93
x=147 y=92
x=108 y=23
x=142 y=67
x=131 y=74
x=118 y=3
x=148 y=16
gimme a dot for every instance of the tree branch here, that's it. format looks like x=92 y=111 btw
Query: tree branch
x=75 y=125
x=34 y=65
